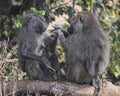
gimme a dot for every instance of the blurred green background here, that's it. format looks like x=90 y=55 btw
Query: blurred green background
x=108 y=12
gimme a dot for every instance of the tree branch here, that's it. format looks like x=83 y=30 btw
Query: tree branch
x=27 y=87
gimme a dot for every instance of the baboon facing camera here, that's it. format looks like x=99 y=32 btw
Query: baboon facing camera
x=36 y=53
x=86 y=49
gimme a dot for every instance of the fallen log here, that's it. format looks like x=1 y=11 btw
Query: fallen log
x=54 y=88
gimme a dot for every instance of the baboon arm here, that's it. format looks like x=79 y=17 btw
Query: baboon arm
x=33 y=56
x=47 y=63
x=62 y=39
x=53 y=44
x=61 y=35
x=60 y=32
x=103 y=62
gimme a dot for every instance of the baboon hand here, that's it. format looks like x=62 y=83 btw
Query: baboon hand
x=57 y=26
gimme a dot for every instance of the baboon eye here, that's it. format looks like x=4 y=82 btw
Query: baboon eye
x=29 y=17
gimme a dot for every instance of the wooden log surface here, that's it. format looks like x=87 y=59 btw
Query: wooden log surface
x=28 y=87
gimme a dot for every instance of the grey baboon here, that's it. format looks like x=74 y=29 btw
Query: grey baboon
x=86 y=49
x=36 y=53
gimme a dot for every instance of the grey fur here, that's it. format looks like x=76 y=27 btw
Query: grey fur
x=36 y=53
x=86 y=49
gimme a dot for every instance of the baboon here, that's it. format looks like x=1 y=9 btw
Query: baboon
x=36 y=53
x=86 y=49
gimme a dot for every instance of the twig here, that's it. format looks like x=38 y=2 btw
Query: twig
x=8 y=61
x=74 y=3
x=60 y=5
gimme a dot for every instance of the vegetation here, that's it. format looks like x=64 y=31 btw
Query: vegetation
x=109 y=17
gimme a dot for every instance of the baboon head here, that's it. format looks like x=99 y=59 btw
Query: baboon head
x=83 y=21
x=35 y=23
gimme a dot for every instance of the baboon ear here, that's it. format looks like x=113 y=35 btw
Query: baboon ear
x=82 y=19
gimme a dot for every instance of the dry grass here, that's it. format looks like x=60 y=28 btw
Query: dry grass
x=9 y=68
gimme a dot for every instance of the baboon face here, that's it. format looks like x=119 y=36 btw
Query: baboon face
x=86 y=18
x=81 y=21
x=76 y=26
x=35 y=22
